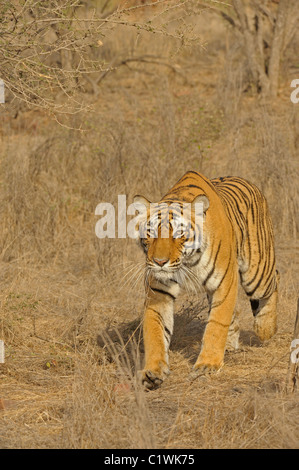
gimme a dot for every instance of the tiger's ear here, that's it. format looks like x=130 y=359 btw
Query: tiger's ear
x=201 y=199
x=141 y=204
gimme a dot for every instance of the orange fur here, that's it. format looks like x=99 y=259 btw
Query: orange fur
x=236 y=242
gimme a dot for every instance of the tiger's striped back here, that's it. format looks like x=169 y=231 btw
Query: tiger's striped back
x=247 y=210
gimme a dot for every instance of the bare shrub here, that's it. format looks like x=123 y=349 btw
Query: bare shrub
x=50 y=50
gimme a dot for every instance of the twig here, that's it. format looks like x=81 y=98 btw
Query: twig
x=52 y=341
x=143 y=59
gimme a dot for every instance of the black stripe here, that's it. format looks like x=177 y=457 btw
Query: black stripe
x=198 y=176
x=250 y=294
x=266 y=281
x=220 y=302
x=176 y=190
x=270 y=289
x=187 y=175
x=213 y=267
x=160 y=318
x=236 y=194
x=241 y=197
x=193 y=186
x=171 y=198
x=208 y=182
x=238 y=217
x=247 y=284
x=254 y=305
x=230 y=257
x=238 y=214
x=161 y=321
x=163 y=292
x=265 y=268
x=156 y=311
x=211 y=254
x=167 y=331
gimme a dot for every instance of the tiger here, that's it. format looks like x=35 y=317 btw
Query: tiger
x=232 y=242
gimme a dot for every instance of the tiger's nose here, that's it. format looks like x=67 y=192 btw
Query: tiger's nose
x=161 y=261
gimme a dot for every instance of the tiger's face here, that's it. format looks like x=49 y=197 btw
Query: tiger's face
x=170 y=236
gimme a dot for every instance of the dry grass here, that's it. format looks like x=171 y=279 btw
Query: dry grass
x=61 y=287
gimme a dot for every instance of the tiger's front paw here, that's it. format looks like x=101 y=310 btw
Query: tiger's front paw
x=201 y=368
x=153 y=378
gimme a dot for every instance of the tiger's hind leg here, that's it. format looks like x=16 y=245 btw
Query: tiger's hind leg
x=265 y=316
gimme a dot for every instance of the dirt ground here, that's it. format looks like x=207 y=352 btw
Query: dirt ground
x=71 y=304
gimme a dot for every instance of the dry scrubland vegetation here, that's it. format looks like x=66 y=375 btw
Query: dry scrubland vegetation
x=169 y=110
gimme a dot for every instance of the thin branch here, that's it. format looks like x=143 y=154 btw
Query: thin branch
x=142 y=59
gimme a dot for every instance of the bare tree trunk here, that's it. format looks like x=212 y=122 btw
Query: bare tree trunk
x=254 y=53
x=265 y=67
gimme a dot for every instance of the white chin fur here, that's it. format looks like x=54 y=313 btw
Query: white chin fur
x=163 y=275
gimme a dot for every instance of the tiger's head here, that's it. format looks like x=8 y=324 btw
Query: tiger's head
x=171 y=235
